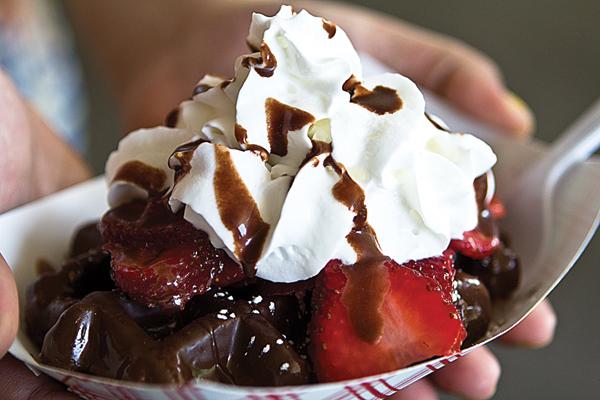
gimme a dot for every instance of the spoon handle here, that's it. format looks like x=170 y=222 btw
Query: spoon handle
x=577 y=144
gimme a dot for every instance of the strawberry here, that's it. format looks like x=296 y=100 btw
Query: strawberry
x=145 y=224
x=170 y=277
x=160 y=259
x=418 y=323
x=475 y=244
x=440 y=269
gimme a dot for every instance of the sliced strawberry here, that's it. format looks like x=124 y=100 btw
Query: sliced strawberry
x=419 y=323
x=145 y=224
x=475 y=244
x=160 y=259
x=171 y=277
x=440 y=269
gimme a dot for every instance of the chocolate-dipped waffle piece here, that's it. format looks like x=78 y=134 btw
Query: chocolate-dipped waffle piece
x=232 y=345
x=53 y=293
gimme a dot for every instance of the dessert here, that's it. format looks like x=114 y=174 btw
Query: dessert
x=297 y=223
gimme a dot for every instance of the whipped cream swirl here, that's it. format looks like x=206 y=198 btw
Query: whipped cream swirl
x=270 y=145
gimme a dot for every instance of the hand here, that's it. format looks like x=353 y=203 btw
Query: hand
x=34 y=163
x=152 y=69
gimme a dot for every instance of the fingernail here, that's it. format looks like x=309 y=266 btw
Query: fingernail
x=522 y=116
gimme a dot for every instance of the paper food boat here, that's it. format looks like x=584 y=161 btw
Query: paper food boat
x=42 y=230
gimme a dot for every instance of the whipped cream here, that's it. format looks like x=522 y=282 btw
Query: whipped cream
x=273 y=144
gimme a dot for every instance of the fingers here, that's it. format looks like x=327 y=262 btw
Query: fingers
x=38 y=162
x=16 y=164
x=535 y=331
x=451 y=69
x=9 y=310
x=472 y=82
x=474 y=376
x=422 y=390
x=18 y=382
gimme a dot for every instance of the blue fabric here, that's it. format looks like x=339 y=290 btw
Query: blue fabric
x=37 y=53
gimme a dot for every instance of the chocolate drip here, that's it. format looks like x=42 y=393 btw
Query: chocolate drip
x=500 y=272
x=434 y=123
x=180 y=159
x=87 y=238
x=238 y=211
x=226 y=83
x=136 y=172
x=264 y=64
x=381 y=100
x=241 y=135
x=329 y=27
x=486 y=224
x=481 y=188
x=282 y=119
x=368 y=278
x=350 y=84
x=318 y=147
x=172 y=118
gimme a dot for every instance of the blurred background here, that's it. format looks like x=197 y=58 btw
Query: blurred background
x=549 y=52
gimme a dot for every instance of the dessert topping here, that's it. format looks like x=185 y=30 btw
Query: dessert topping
x=416 y=180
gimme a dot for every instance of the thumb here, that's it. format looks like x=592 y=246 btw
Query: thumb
x=18 y=382
x=9 y=310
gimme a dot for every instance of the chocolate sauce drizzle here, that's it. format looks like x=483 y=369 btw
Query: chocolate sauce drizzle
x=264 y=64
x=241 y=135
x=172 y=118
x=281 y=119
x=180 y=159
x=149 y=178
x=238 y=211
x=436 y=124
x=318 y=147
x=381 y=100
x=329 y=27
x=368 y=281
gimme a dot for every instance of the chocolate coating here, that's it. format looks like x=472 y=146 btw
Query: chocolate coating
x=53 y=293
x=82 y=323
x=330 y=28
x=281 y=119
x=98 y=336
x=264 y=64
x=474 y=305
x=500 y=272
x=85 y=239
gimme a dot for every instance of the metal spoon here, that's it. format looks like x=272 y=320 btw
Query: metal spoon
x=530 y=199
